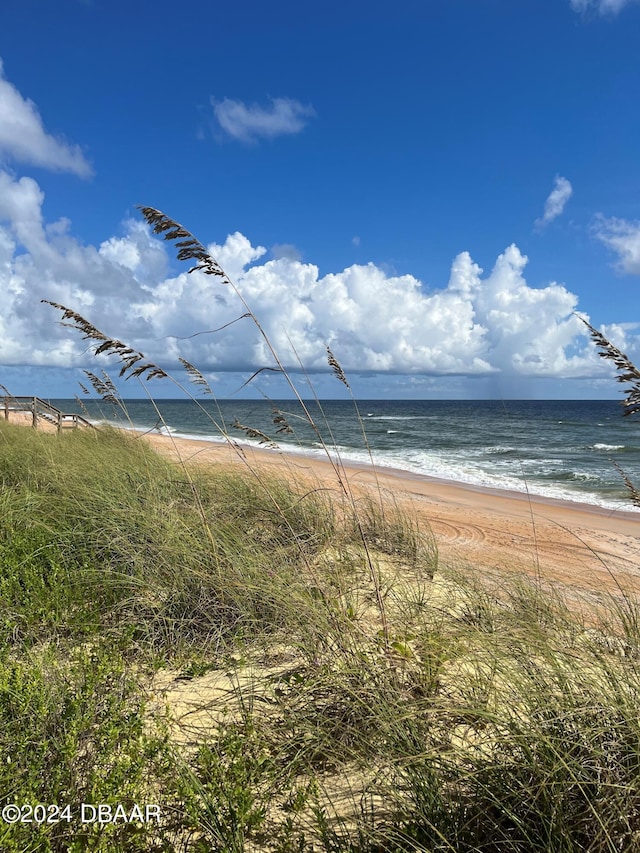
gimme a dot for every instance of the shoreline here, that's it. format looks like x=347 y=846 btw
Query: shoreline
x=585 y=548
x=406 y=474
x=391 y=472
x=316 y=456
x=571 y=481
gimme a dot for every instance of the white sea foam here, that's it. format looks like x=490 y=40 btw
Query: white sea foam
x=499 y=473
x=450 y=468
x=192 y=436
x=399 y=417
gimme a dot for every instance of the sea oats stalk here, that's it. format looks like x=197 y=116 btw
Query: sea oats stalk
x=627 y=372
x=130 y=369
x=111 y=346
x=190 y=249
x=135 y=365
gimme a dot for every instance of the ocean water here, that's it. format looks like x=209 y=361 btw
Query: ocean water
x=559 y=449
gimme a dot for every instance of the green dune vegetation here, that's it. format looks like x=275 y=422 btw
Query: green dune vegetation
x=277 y=674
x=214 y=658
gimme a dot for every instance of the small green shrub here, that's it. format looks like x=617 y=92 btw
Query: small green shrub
x=71 y=732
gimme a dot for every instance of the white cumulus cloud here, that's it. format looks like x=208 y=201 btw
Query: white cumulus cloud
x=623 y=237
x=374 y=321
x=23 y=138
x=603 y=7
x=554 y=205
x=248 y=123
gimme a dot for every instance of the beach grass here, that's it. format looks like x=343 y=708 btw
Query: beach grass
x=272 y=664
x=226 y=658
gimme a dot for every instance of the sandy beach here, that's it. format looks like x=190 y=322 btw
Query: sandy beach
x=581 y=547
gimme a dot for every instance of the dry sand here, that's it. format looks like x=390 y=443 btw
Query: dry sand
x=583 y=548
x=26 y=419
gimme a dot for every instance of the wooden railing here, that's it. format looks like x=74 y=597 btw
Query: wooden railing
x=40 y=409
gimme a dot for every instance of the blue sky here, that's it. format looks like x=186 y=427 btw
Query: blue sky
x=430 y=188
